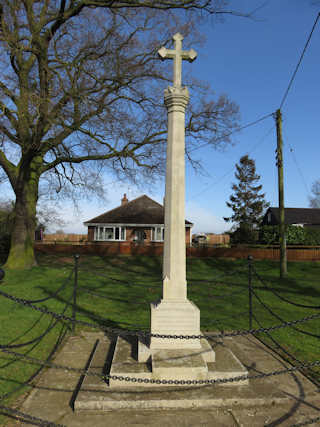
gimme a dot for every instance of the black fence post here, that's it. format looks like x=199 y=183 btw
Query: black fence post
x=75 y=285
x=250 y=259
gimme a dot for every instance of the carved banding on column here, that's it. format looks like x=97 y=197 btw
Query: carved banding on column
x=176 y=99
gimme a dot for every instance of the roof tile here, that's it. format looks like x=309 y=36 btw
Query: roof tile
x=141 y=210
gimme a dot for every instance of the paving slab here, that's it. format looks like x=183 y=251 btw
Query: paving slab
x=295 y=398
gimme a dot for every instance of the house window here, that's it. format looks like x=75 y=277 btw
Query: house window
x=122 y=233
x=109 y=233
x=101 y=234
x=158 y=234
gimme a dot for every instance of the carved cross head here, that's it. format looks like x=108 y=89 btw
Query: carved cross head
x=177 y=54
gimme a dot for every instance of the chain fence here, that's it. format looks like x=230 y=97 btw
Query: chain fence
x=315 y=307
x=127 y=332
x=30 y=419
x=67 y=320
x=280 y=318
x=56 y=293
x=277 y=347
x=307 y=422
x=106 y=377
x=64 y=329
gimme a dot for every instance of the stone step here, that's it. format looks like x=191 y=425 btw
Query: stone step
x=178 y=364
x=227 y=365
x=125 y=364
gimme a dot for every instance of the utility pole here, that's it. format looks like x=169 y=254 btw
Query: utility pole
x=282 y=231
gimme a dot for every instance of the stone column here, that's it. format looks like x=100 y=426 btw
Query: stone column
x=174 y=257
x=175 y=314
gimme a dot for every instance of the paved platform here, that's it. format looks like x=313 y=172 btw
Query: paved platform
x=279 y=400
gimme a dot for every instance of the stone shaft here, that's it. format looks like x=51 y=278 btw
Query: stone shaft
x=174 y=257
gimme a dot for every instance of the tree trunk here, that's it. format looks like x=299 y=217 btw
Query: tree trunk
x=21 y=255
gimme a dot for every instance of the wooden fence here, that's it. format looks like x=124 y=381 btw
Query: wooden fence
x=156 y=249
x=59 y=237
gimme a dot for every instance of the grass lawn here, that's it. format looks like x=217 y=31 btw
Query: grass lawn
x=116 y=292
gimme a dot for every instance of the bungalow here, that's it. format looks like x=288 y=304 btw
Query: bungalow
x=303 y=217
x=141 y=221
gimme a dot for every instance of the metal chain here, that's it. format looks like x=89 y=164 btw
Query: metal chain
x=234 y=316
x=316 y=307
x=89 y=291
x=152 y=381
x=280 y=318
x=37 y=339
x=279 y=346
x=144 y=301
x=28 y=417
x=307 y=422
x=40 y=337
x=62 y=287
x=227 y=296
x=163 y=336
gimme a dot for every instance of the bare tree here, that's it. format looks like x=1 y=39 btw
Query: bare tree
x=81 y=91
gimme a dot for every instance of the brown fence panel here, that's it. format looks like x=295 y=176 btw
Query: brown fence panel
x=70 y=237
x=156 y=249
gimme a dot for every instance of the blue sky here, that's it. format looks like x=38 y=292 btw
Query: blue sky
x=252 y=62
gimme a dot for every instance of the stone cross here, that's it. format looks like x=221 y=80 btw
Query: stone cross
x=175 y=314
x=177 y=55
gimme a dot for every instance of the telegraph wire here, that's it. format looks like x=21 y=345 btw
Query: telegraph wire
x=234 y=131
x=292 y=152
x=231 y=170
x=299 y=170
x=299 y=62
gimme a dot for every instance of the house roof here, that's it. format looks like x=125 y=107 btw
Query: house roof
x=141 y=210
x=296 y=215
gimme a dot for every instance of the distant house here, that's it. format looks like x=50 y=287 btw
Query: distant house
x=141 y=221
x=303 y=217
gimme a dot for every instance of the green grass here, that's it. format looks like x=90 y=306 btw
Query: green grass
x=121 y=289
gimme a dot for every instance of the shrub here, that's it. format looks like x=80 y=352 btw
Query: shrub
x=243 y=234
x=269 y=234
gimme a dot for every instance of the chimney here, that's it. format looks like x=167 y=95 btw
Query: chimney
x=124 y=200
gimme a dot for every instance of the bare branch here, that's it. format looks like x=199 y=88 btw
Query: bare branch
x=9 y=168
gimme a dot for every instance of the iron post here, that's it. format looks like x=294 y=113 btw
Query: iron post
x=75 y=285
x=250 y=259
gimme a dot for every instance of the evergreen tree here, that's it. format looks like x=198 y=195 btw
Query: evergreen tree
x=247 y=203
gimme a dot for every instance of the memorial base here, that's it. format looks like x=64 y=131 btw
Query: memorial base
x=172 y=364
x=121 y=359
x=175 y=317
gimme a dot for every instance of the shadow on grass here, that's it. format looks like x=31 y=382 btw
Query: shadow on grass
x=100 y=321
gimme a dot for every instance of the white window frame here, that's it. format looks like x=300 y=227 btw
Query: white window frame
x=122 y=230
x=154 y=234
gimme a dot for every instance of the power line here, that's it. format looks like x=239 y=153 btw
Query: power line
x=231 y=170
x=235 y=131
x=300 y=60
x=297 y=165
x=299 y=170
